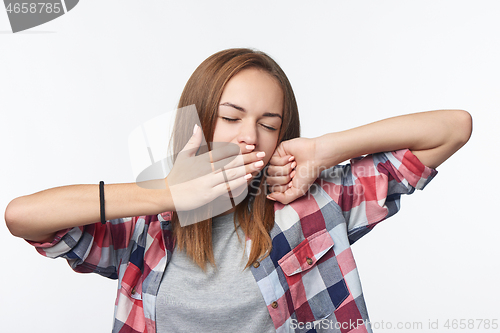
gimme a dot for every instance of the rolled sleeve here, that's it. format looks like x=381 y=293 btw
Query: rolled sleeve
x=369 y=189
x=94 y=248
x=62 y=243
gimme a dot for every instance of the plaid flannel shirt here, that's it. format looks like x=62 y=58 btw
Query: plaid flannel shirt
x=309 y=281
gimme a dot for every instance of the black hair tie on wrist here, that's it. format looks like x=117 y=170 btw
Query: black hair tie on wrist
x=101 y=202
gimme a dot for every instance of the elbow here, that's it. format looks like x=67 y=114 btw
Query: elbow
x=13 y=218
x=17 y=218
x=461 y=127
x=452 y=130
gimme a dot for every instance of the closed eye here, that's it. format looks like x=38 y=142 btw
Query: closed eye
x=230 y=120
x=233 y=120
x=270 y=128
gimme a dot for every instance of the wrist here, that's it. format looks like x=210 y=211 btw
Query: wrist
x=164 y=198
x=154 y=197
x=327 y=151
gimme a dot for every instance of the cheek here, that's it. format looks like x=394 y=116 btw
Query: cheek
x=269 y=149
x=221 y=133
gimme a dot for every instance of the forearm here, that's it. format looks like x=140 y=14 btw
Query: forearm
x=432 y=136
x=40 y=215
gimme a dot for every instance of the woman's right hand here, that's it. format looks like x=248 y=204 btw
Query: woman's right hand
x=197 y=180
x=192 y=183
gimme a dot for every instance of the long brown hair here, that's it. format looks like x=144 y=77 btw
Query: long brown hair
x=204 y=90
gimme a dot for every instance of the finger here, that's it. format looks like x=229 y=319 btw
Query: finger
x=288 y=196
x=253 y=156
x=278 y=188
x=246 y=159
x=277 y=171
x=220 y=156
x=278 y=181
x=228 y=157
x=281 y=160
x=281 y=150
x=224 y=187
x=193 y=144
x=223 y=175
x=227 y=150
x=223 y=150
x=227 y=174
x=251 y=168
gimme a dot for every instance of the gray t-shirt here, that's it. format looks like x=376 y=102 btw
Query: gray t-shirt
x=221 y=299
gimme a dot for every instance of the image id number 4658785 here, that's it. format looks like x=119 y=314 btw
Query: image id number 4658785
x=471 y=324
x=32 y=8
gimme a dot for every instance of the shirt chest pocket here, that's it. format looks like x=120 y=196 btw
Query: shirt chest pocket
x=314 y=279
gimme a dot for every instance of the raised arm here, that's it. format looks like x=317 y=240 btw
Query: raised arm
x=432 y=136
x=39 y=216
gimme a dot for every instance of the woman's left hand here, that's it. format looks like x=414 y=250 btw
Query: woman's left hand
x=292 y=170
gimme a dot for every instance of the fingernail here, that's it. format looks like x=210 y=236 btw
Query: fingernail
x=195 y=129
x=261 y=154
x=271 y=198
x=248 y=176
x=290 y=184
x=294 y=164
x=292 y=174
x=291 y=158
x=250 y=147
x=259 y=164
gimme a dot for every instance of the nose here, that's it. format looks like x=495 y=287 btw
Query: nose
x=248 y=134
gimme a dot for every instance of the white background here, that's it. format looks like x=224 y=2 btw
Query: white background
x=73 y=89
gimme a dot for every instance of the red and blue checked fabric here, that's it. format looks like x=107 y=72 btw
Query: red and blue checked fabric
x=309 y=281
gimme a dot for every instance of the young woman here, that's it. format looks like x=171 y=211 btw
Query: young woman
x=279 y=259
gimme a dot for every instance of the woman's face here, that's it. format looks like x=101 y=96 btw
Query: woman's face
x=250 y=112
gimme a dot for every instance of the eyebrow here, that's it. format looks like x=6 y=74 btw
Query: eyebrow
x=239 y=108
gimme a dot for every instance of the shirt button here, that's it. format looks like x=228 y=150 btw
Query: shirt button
x=133 y=290
x=309 y=261
x=256 y=264
x=274 y=305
